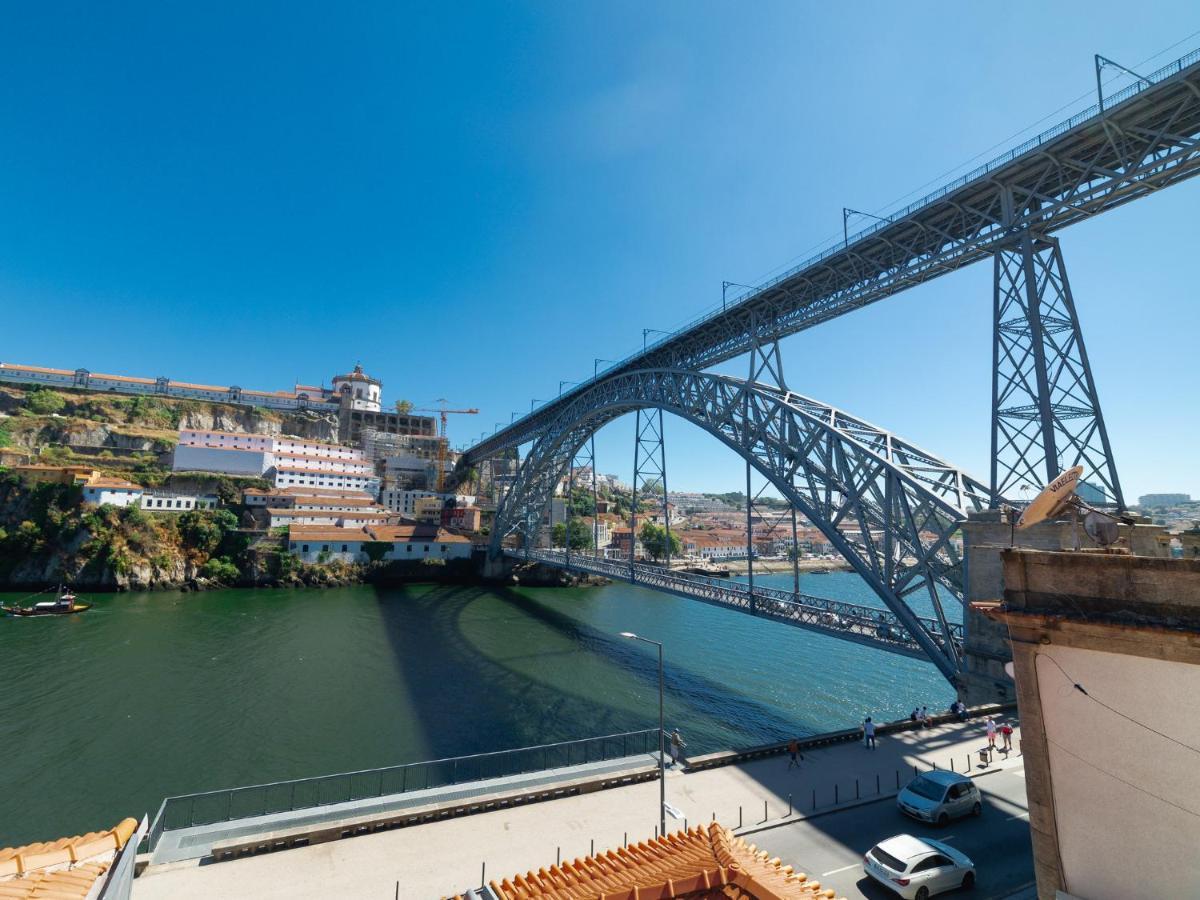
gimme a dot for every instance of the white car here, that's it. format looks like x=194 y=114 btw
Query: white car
x=917 y=868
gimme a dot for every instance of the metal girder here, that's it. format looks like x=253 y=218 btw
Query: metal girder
x=855 y=622
x=1046 y=415
x=890 y=508
x=1147 y=137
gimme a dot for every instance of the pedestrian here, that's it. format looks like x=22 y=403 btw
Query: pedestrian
x=991 y=732
x=1006 y=732
x=794 y=751
x=960 y=710
x=677 y=746
x=925 y=720
x=868 y=728
x=914 y=715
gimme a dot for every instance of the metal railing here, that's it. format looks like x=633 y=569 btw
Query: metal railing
x=210 y=807
x=867 y=623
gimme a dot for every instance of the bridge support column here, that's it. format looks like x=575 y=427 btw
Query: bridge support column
x=1045 y=411
x=649 y=470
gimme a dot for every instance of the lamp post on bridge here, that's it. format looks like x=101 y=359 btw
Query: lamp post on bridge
x=596 y=367
x=847 y=213
x=726 y=285
x=561 y=383
x=662 y=736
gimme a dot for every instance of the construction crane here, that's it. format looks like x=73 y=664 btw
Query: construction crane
x=442 y=412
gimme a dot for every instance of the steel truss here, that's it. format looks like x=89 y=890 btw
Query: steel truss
x=649 y=471
x=890 y=508
x=1045 y=413
x=1143 y=140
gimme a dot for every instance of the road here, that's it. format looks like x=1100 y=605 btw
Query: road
x=830 y=848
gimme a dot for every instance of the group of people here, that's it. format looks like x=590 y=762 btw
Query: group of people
x=1006 y=733
x=921 y=715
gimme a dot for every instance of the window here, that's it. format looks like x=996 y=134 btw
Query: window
x=410 y=548
x=325 y=548
x=426 y=548
x=345 y=548
x=443 y=548
x=931 y=862
x=304 y=548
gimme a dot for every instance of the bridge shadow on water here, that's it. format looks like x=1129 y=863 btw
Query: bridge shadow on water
x=470 y=698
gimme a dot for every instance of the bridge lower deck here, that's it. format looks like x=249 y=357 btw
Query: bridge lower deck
x=868 y=625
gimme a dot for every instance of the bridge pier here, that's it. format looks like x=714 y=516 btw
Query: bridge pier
x=986 y=644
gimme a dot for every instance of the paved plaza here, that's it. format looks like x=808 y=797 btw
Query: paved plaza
x=443 y=858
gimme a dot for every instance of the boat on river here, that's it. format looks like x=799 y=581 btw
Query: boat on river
x=67 y=604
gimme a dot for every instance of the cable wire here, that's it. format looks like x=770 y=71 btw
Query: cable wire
x=1116 y=777
x=1116 y=712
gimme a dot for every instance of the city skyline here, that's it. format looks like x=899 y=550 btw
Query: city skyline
x=395 y=213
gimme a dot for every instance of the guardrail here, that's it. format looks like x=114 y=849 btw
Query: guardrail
x=880 y=627
x=210 y=807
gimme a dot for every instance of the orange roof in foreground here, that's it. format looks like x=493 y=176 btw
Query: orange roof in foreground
x=706 y=862
x=41 y=870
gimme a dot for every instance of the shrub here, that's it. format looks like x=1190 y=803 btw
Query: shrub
x=221 y=570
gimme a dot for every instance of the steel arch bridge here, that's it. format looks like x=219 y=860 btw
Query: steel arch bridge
x=889 y=507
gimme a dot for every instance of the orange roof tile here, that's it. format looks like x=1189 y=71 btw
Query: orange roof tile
x=705 y=863
x=322 y=471
x=40 y=868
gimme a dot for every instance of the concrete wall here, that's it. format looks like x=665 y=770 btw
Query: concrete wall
x=1107 y=662
x=985 y=536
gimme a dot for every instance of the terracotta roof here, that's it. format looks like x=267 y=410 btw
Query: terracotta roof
x=705 y=862
x=36 y=369
x=325 y=533
x=241 y=434
x=301 y=500
x=302 y=455
x=360 y=515
x=430 y=533
x=106 y=482
x=61 y=869
x=306 y=491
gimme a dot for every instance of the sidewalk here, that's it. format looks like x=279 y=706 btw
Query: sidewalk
x=446 y=857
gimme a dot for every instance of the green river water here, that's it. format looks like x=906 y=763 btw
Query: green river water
x=103 y=714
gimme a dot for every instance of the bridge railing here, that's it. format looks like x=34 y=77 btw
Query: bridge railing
x=878 y=625
x=211 y=807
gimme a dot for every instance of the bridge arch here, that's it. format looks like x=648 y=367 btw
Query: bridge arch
x=888 y=507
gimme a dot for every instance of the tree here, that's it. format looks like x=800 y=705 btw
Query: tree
x=581 y=535
x=654 y=541
x=376 y=550
x=44 y=401
x=404 y=407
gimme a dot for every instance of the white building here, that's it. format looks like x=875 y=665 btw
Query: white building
x=112 y=492
x=306 y=498
x=330 y=518
x=405 y=502
x=226 y=460
x=413 y=542
x=308 y=477
x=164 y=501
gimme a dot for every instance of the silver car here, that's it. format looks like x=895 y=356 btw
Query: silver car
x=917 y=868
x=940 y=796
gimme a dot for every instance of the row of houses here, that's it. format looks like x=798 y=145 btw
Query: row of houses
x=378 y=543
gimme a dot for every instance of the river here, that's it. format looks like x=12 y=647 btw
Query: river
x=103 y=714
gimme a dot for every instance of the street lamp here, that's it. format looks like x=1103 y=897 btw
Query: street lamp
x=534 y=402
x=561 y=383
x=596 y=366
x=662 y=736
x=512 y=418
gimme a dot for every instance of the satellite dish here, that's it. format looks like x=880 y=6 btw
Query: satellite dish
x=1102 y=529
x=1053 y=499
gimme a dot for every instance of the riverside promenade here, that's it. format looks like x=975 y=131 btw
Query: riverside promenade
x=446 y=857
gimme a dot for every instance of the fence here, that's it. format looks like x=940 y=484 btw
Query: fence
x=211 y=807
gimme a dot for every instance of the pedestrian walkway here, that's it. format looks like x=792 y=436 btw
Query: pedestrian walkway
x=446 y=857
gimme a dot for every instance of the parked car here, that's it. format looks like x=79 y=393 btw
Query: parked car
x=917 y=868
x=940 y=796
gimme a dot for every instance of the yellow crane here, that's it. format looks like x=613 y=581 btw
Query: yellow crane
x=442 y=410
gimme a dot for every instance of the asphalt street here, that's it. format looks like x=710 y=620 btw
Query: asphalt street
x=830 y=848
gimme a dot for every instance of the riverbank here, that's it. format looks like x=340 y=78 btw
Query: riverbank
x=782 y=566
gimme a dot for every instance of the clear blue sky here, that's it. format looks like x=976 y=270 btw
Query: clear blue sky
x=475 y=201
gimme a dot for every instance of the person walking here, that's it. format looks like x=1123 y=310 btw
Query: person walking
x=794 y=752
x=991 y=732
x=868 y=728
